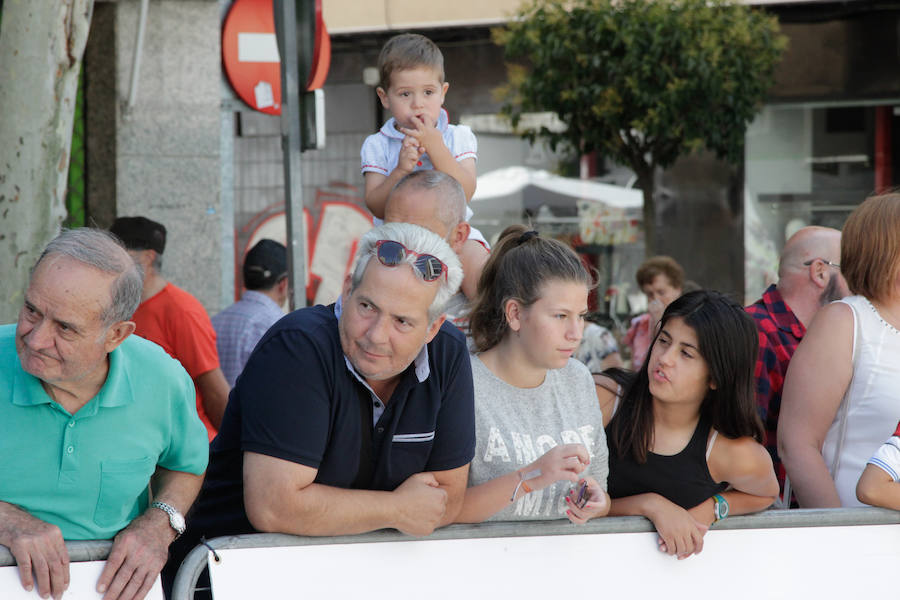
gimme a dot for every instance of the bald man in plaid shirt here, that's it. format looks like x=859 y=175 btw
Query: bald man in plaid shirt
x=809 y=277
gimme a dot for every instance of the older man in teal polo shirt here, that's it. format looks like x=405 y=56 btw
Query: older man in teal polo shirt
x=94 y=424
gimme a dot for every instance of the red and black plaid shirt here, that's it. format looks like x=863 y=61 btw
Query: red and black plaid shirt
x=779 y=333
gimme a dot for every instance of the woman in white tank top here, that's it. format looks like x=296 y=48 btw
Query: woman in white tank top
x=841 y=396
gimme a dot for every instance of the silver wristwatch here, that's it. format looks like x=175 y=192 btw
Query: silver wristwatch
x=176 y=519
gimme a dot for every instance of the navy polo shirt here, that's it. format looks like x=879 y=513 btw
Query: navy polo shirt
x=297 y=400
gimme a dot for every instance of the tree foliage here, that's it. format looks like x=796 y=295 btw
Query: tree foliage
x=641 y=81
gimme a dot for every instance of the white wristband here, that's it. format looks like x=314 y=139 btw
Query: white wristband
x=522 y=478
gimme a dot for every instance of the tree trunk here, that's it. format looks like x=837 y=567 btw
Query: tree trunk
x=647 y=184
x=41 y=46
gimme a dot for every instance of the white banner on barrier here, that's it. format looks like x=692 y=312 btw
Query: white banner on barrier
x=793 y=564
x=83 y=578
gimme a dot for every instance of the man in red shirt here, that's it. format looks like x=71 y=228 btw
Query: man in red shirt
x=174 y=319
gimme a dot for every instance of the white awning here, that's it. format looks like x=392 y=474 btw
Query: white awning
x=507 y=181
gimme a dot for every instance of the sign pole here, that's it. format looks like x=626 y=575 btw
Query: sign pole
x=286 y=31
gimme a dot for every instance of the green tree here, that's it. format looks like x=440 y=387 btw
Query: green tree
x=641 y=81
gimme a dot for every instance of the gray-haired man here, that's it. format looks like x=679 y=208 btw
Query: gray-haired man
x=89 y=416
x=351 y=417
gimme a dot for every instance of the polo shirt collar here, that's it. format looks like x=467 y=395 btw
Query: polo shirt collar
x=781 y=313
x=28 y=390
x=390 y=131
x=420 y=362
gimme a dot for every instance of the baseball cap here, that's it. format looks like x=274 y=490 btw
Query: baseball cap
x=265 y=264
x=140 y=233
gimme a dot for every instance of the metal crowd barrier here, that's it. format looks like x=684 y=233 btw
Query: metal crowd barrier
x=188 y=574
x=194 y=564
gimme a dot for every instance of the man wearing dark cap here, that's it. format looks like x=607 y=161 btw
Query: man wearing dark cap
x=174 y=319
x=242 y=324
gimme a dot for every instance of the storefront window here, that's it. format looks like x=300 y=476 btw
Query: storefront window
x=806 y=165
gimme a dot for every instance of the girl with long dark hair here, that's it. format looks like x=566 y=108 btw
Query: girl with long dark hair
x=685 y=442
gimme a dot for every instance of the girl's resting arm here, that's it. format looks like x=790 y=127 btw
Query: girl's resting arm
x=679 y=532
x=560 y=463
x=747 y=467
x=486 y=499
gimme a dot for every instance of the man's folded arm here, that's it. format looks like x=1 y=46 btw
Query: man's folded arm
x=454 y=481
x=281 y=496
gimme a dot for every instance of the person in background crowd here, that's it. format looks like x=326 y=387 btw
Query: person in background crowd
x=840 y=399
x=809 y=277
x=174 y=319
x=350 y=417
x=242 y=324
x=435 y=201
x=94 y=423
x=879 y=484
x=530 y=393
x=598 y=349
x=685 y=443
x=662 y=280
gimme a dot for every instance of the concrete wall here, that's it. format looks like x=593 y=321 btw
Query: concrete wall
x=167 y=159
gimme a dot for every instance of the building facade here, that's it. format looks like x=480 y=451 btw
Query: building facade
x=186 y=151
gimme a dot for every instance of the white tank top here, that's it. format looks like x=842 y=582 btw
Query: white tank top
x=870 y=409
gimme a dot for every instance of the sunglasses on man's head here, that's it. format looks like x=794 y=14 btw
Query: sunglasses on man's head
x=391 y=254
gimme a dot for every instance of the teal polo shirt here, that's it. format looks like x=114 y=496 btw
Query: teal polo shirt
x=88 y=473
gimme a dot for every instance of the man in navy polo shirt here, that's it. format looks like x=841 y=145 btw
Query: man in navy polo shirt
x=351 y=417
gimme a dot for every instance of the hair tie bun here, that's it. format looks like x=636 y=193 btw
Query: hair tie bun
x=526 y=236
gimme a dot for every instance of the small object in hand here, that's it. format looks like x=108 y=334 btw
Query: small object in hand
x=582 y=497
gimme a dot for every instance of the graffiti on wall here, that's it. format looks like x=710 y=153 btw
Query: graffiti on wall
x=333 y=228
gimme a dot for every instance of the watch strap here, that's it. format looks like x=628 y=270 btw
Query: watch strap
x=720 y=506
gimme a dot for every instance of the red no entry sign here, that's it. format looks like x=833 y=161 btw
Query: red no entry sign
x=250 y=54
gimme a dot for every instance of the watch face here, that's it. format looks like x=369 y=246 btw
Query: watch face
x=176 y=519
x=177 y=522
x=721 y=509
